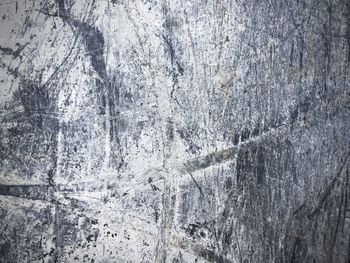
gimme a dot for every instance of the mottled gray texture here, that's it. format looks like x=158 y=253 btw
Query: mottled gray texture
x=174 y=131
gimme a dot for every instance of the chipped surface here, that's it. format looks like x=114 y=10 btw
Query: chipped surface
x=174 y=131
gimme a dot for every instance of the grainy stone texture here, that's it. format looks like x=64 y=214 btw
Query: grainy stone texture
x=174 y=131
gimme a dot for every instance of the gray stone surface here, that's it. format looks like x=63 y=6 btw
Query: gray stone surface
x=174 y=131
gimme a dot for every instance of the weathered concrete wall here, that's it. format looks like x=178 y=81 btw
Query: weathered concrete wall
x=174 y=131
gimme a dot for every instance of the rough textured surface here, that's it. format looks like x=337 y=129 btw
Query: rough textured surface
x=174 y=131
